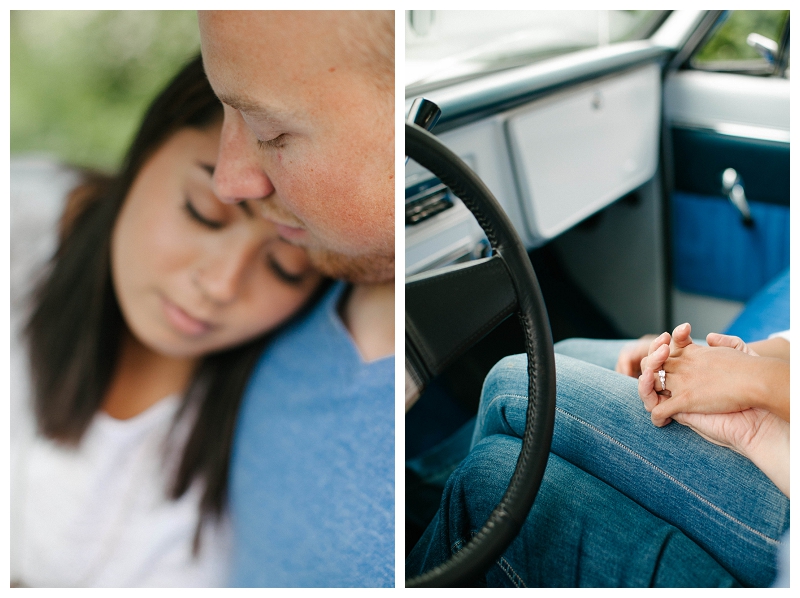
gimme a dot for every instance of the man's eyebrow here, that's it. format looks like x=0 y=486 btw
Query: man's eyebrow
x=252 y=108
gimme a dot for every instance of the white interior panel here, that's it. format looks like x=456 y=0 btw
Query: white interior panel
x=577 y=151
x=454 y=232
x=482 y=145
x=717 y=100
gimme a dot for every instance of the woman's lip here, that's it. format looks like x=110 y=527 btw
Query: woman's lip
x=182 y=321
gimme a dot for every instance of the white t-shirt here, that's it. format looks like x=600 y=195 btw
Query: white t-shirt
x=98 y=514
x=784 y=334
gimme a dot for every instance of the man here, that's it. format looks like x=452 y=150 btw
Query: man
x=309 y=135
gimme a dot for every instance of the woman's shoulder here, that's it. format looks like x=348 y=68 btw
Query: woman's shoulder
x=39 y=188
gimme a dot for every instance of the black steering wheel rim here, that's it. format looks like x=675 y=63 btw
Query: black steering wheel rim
x=508 y=516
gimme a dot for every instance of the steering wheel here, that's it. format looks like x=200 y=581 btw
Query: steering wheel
x=450 y=309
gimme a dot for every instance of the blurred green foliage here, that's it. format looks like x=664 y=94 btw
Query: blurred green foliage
x=81 y=80
x=729 y=41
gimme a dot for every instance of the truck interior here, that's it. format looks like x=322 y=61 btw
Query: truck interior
x=645 y=173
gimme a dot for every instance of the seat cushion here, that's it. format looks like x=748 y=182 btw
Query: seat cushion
x=765 y=313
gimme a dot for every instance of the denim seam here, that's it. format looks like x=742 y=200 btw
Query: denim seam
x=504 y=565
x=512 y=575
x=672 y=478
x=652 y=465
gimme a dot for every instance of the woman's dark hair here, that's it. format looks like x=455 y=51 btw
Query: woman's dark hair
x=76 y=326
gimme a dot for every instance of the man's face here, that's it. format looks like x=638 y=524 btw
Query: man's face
x=309 y=131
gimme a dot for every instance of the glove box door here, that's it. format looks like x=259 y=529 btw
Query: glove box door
x=577 y=151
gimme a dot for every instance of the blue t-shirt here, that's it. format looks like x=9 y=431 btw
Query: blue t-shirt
x=312 y=469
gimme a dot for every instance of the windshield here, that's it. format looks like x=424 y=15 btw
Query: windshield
x=446 y=46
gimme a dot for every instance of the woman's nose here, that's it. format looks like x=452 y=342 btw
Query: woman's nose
x=221 y=277
x=238 y=174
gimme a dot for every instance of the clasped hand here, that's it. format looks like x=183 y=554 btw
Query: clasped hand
x=725 y=392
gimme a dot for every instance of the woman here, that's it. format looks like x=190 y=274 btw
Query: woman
x=142 y=335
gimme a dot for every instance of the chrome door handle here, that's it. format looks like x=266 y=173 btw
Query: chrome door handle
x=732 y=187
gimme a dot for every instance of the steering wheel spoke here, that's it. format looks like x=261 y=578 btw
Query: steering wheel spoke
x=450 y=309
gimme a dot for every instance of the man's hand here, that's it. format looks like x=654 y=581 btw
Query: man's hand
x=755 y=433
x=718 y=391
x=631 y=355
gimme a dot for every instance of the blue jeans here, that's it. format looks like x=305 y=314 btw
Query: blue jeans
x=715 y=496
x=579 y=533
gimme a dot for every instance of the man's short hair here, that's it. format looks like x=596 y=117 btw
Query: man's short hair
x=369 y=35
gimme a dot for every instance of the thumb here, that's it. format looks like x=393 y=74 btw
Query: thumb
x=714 y=339
x=680 y=336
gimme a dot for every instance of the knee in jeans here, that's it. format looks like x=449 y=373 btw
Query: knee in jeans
x=507 y=373
x=485 y=473
x=564 y=346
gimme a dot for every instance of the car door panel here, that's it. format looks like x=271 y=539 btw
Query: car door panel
x=719 y=121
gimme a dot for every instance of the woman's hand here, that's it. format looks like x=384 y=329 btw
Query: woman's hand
x=633 y=354
x=713 y=389
x=659 y=350
x=725 y=377
x=714 y=379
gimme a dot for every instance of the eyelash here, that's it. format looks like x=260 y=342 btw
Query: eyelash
x=198 y=217
x=277 y=269
x=274 y=143
x=292 y=279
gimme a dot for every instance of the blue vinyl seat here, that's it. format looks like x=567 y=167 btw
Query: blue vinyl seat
x=765 y=313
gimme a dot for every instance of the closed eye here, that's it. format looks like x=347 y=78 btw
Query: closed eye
x=287 y=277
x=274 y=143
x=198 y=217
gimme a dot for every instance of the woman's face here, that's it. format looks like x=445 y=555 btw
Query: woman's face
x=193 y=275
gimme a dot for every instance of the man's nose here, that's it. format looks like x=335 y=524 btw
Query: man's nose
x=238 y=174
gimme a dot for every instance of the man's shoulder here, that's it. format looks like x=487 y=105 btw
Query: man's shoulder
x=319 y=339
x=316 y=354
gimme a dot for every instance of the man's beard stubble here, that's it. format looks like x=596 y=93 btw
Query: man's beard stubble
x=366 y=269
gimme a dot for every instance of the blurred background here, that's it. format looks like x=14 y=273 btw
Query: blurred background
x=81 y=80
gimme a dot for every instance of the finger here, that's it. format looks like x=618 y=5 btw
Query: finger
x=680 y=336
x=655 y=361
x=662 y=339
x=629 y=361
x=625 y=363
x=660 y=389
x=647 y=391
x=715 y=339
x=668 y=407
x=659 y=422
